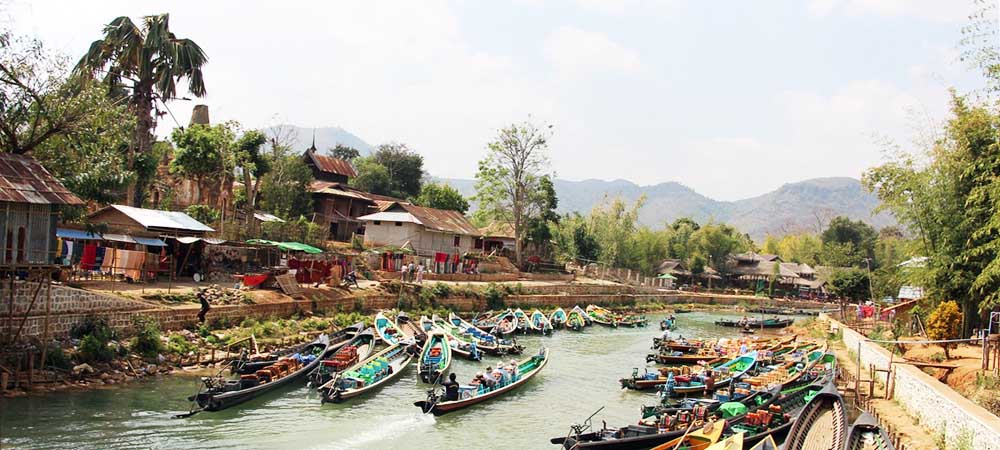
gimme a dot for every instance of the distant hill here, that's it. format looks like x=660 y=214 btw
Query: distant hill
x=803 y=206
x=326 y=138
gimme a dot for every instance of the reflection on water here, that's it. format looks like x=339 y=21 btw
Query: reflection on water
x=581 y=377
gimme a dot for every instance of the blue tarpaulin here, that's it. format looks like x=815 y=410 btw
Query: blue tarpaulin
x=66 y=233
x=152 y=242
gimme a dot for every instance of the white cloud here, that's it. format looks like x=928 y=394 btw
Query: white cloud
x=620 y=7
x=952 y=11
x=572 y=50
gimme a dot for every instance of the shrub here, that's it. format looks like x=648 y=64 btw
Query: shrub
x=441 y=290
x=494 y=296
x=95 y=349
x=56 y=357
x=92 y=325
x=180 y=346
x=945 y=323
x=147 y=337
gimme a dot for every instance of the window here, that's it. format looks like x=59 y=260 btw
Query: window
x=458 y=241
x=399 y=224
x=376 y=222
x=479 y=243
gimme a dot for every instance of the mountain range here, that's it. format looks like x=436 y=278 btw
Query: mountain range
x=794 y=207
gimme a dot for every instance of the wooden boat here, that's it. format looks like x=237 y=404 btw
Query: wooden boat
x=576 y=320
x=734 y=369
x=776 y=419
x=471 y=395
x=484 y=341
x=247 y=364
x=602 y=316
x=678 y=346
x=558 y=318
x=501 y=324
x=357 y=349
x=367 y=375
x=734 y=442
x=755 y=323
x=789 y=370
x=435 y=358
x=462 y=346
x=539 y=323
x=696 y=440
x=220 y=394
x=821 y=424
x=387 y=330
x=726 y=346
x=644 y=436
x=698 y=358
x=867 y=434
x=633 y=321
x=523 y=324
x=681 y=311
x=409 y=328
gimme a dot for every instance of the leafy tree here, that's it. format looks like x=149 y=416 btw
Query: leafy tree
x=850 y=283
x=284 y=190
x=200 y=153
x=850 y=242
x=509 y=178
x=252 y=163
x=585 y=243
x=344 y=152
x=203 y=213
x=945 y=323
x=540 y=228
x=404 y=167
x=715 y=242
x=144 y=64
x=442 y=196
x=613 y=223
x=372 y=176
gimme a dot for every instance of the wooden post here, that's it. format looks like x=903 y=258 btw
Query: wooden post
x=48 y=312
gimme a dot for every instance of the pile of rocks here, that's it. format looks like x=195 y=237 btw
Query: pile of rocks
x=217 y=295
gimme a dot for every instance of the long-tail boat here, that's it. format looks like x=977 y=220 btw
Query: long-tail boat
x=220 y=394
x=501 y=324
x=474 y=394
x=668 y=426
x=755 y=323
x=410 y=328
x=357 y=349
x=387 y=330
x=867 y=434
x=766 y=444
x=248 y=363
x=539 y=323
x=602 y=316
x=523 y=325
x=558 y=318
x=732 y=370
x=367 y=375
x=489 y=343
x=633 y=321
x=821 y=424
x=435 y=357
x=777 y=419
x=734 y=442
x=462 y=345
x=576 y=320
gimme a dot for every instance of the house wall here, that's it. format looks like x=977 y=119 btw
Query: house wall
x=27 y=232
x=325 y=207
x=423 y=241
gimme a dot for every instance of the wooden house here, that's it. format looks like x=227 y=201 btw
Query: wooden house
x=30 y=198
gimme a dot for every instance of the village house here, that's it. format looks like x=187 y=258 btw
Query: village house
x=30 y=198
x=425 y=230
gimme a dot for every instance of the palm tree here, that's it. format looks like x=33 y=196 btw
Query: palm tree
x=145 y=65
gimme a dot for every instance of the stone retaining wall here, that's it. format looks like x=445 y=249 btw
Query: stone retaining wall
x=65 y=300
x=935 y=405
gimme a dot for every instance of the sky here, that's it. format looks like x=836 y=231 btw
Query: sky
x=731 y=98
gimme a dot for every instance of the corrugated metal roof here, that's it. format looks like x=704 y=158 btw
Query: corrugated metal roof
x=391 y=216
x=154 y=218
x=24 y=180
x=265 y=217
x=330 y=164
x=442 y=219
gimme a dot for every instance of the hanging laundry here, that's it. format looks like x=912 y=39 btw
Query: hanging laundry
x=88 y=261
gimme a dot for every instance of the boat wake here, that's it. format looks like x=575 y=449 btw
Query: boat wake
x=392 y=428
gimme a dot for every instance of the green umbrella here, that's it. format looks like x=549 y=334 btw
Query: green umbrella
x=298 y=246
x=666 y=276
x=732 y=409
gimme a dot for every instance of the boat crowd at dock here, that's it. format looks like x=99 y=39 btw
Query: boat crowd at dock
x=744 y=391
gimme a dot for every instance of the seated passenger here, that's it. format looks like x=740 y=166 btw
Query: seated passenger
x=500 y=375
x=450 y=388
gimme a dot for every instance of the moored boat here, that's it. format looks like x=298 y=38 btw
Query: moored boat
x=734 y=442
x=220 y=393
x=473 y=394
x=435 y=357
x=602 y=316
x=409 y=328
x=732 y=370
x=867 y=434
x=821 y=424
x=540 y=323
x=576 y=320
x=755 y=323
x=387 y=330
x=523 y=324
x=357 y=349
x=558 y=318
x=367 y=375
x=252 y=363
x=487 y=342
x=699 y=439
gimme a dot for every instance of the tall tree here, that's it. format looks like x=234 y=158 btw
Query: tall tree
x=715 y=242
x=540 y=228
x=442 y=196
x=200 y=153
x=405 y=168
x=508 y=180
x=284 y=190
x=344 y=152
x=145 y=64
x=849 y=242
x=253 y=165
x=372 y=176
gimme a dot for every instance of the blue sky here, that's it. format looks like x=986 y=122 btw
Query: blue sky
x=732 y=98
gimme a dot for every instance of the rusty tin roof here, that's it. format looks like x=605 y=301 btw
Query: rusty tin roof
x=330 y=164
x=24 y=180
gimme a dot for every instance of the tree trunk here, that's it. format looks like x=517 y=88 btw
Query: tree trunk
x=143 y=138
x=248 y=209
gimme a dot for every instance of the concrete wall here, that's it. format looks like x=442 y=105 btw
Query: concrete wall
x=64 y=300
x=936 y=405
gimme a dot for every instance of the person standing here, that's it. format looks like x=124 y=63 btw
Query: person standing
x=404 y=272
x=203 y=299
x=420 y=273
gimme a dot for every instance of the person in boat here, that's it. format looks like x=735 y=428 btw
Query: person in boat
x=450 y=388
x=709 y=381
x=488 y=380
x=500 y=375
x=478 y=380
x=513 y=370
x=671 y=382
x=743 y=348
x=666 y=335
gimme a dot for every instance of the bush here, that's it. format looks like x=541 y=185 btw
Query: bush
x=441 y=290
x=147 y=337
x=56 y=357
x=494 y=296
x=180 y=346
x=945 y=323
x=92 y=325
x=249 y=322
x=95 y=349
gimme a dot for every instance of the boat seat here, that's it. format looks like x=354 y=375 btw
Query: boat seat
x=264 y=376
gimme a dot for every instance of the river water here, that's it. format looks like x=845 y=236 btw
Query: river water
x=581 y=377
